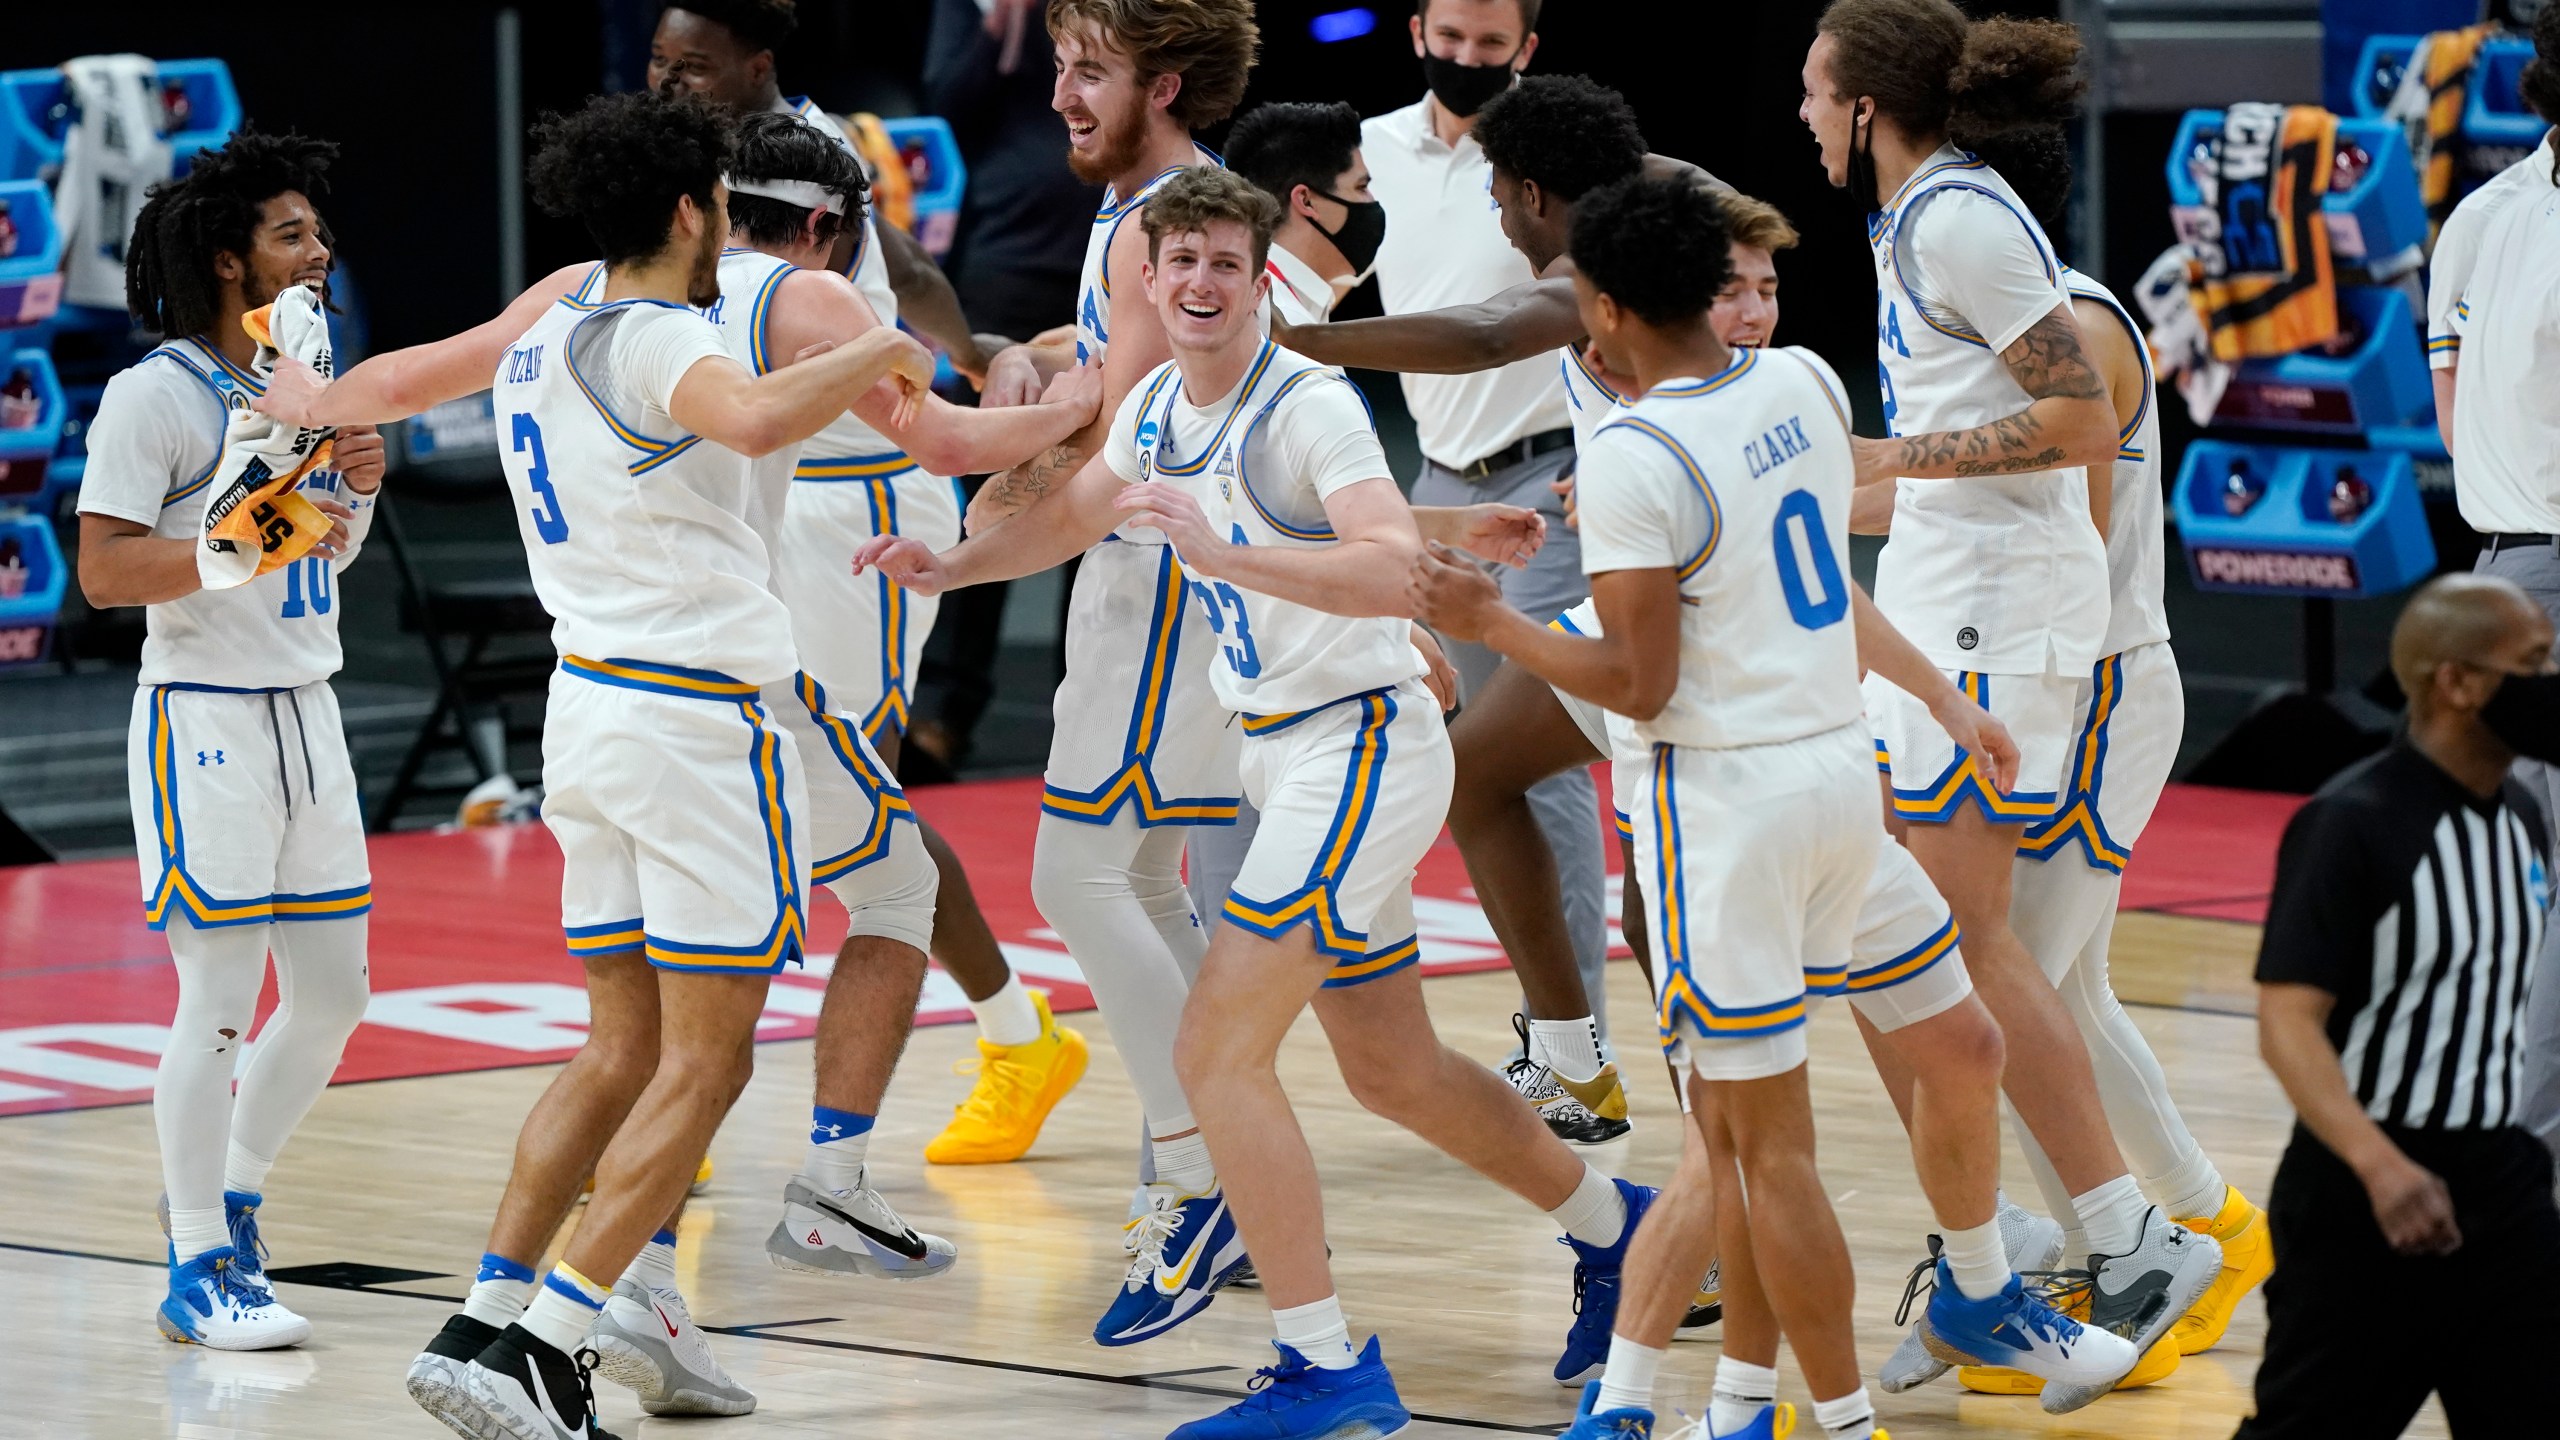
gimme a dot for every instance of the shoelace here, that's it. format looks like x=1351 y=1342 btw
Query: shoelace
x=246 y=1239
x=2054 y=1292
x=1922 y=1284
x=232 y=1283
x=1004 y=1088
x=1259 y=1389
x=1147 y=1236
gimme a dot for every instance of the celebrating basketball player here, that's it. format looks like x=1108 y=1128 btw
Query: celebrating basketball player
x=244 y=803
x=862 y=639
x=1996 y=568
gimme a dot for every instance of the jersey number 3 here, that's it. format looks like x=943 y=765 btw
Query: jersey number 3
x=548 y=522
x=1824 y=604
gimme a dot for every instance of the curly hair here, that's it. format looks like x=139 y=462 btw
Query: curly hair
x=2539 y=85
x=773 y=145
x=2036 y=161
x=758 y=24
x=1190 y=202
x=1755 y=223
x=1211 y=44
x=1659 y=247
x=1933 y=72
x=1281 y=147
x=1564 y=133
x=169 y=284
x=618 y=164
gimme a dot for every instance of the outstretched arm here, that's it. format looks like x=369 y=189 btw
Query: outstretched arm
x=1053 y=534
x=1519 y=324
x=758 y=414
x=1503 y=534
x=401 y=383
x=1631 y=667
x=1360 y=574
x=2069 y=420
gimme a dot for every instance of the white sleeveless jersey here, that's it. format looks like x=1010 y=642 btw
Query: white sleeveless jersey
x=846 y=440
x=1590 y=400
x=153 y=449
x=1740 y=482
x=1093 y=294
x=637 y=534
x=743 y=316
x=1261 y=462
x=2000 y=574
x=2136 y=549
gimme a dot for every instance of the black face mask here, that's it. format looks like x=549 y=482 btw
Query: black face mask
x=1464 y=89
x=2525 y=715
x=1362 y=232
x=1862 y=169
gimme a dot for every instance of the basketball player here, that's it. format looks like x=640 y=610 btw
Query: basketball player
x=1997 y=570
x=684 y=870
x=862 y=640
x=1345 y=758
x=1757 y=830
x=244 y=804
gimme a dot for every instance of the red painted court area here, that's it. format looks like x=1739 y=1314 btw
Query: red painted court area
x=469 y=974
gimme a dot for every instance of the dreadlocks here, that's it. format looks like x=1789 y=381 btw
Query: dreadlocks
x=169 y=284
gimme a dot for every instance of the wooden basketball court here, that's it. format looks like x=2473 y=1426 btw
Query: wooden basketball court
x=377 y=1211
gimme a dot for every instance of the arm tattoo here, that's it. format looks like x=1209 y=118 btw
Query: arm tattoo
x=2048 y=363
x=1036 y=476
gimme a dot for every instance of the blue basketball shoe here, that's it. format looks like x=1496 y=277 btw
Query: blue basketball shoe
x=240 y=1215
x=1294 y=1400
x=1183 y=1249
x=1595 y=1292
x=1590 y=1424
x=2017 y=1329
x=213 y=1302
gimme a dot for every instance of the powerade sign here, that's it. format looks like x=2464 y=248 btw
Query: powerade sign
x=2283 y=572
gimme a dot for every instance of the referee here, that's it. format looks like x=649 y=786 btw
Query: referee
x=2410 y=895
x=1496 y=435
x=2493 y=336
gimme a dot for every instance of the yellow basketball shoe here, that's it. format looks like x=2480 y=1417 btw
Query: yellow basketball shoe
x=701 y=1177
x=2248 y=1258
x=2156 y=1364
x=1018 y=1085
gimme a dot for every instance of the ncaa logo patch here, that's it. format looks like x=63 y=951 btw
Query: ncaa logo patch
x=1967 y=638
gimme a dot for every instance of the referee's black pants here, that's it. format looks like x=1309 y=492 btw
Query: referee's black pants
x=2359 y=1335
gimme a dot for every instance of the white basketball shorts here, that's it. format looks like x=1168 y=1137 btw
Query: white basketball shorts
x=860 y=635
x=1933 y=779
x=862 y=834
x=1139 y=731
x=2130 y=724
x=244 y=806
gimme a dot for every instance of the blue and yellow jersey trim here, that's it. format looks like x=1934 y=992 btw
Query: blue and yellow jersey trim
x=1573 y=360
x=1925 y=181
x=1963 y=781
x=760 y=321
x=613 y=937
x=1683 y=1001
x=178 y=892
x=889 y=803
x=232 y=377
x=1689 y=467
x=590 y=292
x=889 y=715
x=2080 y=818
x=1624 y=823
x=1208 y=451
x=1312 y=904
x=824 y=468
x=1321 y=530
x=2443 y=344
x=1910 y=964
x=653 y=452
x=673 y=680
x=1134 y=783
x=1380 y=962
x=1115 y=210
x=782 y=943
x=2126 y=450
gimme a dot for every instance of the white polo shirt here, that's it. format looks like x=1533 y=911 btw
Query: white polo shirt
x=1445 y=247
x=2506 y=403
x=2458 y=246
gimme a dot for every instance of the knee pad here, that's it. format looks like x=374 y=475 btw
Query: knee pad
x=893 y=897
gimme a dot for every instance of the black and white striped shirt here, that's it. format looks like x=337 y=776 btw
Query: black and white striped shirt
x=2420 y=906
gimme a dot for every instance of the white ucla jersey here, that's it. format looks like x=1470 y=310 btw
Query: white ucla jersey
x=743 y=315
x=2136 y=548
x=153 y=449
x=846 y=440
x=2002 y=574
x=1590 y=400
x=638 y=535
x=1740 y=483
x=1093 y=288
x=1261 y=462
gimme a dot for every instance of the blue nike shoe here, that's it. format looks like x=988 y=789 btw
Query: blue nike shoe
x=2018 y=1330
x=1182 y=1250
x=1595 y=1292
x=1590 y=1424
x=1294 y=1400
x=213 y=1302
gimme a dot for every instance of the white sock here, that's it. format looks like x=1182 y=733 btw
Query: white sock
x=564 y=1308
x=193 y=1232
x=2193 y=1191
x=498 y=1298
x=1007 y=1017
x=1595 y=1214
x=1851 y=1417
x=654 y=1268
x=1627 y=1383
x=1184 y=1163
x=839 y=1143
x=1977 y=1259
x=1742 y=1391
x=1317 y=1332
x=245 y=1170
x=1571 y=1048
x=2112 y=1215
